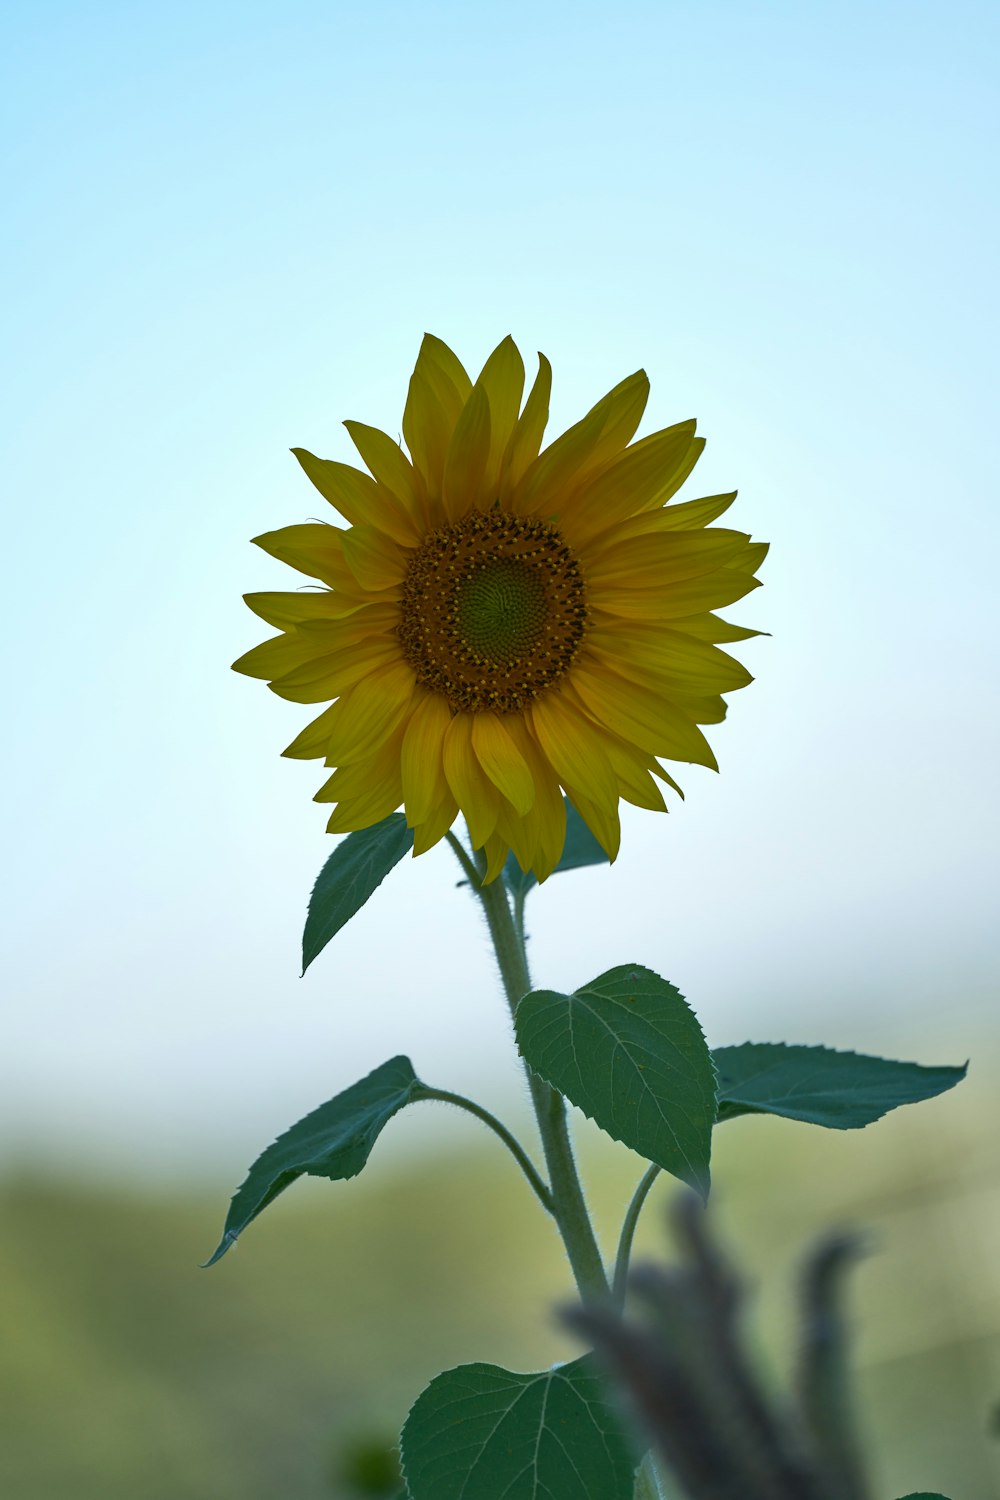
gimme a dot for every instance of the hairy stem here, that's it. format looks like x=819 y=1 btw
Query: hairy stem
x=568 y=1203
x=514 y=1146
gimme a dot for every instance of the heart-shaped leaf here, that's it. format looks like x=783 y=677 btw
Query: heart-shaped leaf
x=628 y=1050
x=482 y=1433
x=842 y=1090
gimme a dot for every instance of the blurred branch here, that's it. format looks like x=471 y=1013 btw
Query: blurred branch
x=684 y=1371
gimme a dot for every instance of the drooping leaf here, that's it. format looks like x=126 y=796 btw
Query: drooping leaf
x=842 y=1090
x=581 y=848
x=354 y=870
x=482 y=1433
x=627 y=1050
x=333 y=1141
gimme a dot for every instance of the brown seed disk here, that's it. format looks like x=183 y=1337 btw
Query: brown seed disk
x=493 y=611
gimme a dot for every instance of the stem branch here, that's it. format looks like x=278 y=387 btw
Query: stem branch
x=514 y=1146
x=628 y=1231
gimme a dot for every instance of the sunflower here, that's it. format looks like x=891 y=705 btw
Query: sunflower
x=499 y=623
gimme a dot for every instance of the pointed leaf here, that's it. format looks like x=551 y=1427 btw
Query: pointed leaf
x=355 y=869
x=580 y=848
x=482 y=1433
x=333 y=1141
x=841 y=1090
x=628 y=1050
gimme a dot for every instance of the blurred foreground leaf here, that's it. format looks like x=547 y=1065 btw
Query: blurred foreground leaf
x=842 y=1090
x=333 y=1141
x=580 y=849
x=628 y=1050
x=355 y=869
x=482 y=1433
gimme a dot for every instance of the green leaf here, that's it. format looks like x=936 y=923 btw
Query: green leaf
x=482 y=1433
x=355 y=869
x=842 y=1090
x=580 y=848
x=628 y=1050
x=924 y=1495
x=333 y=1141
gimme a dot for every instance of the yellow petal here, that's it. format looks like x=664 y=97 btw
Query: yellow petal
x=602 y=821
x=628 y=484
x=277 y=656
x=709 y=627
x=422 y=763
x=439 y=388
x=313 y=548
x=292 y=608
x=502 y=379
x=551 y=481
x=434 y=828
x=694 y=666
x=367 y=715
x=692 y=515
x=660 y=560
x=496 y=850
x=543 y=827
x=376 y=561
x=326 y=677
x=641 y=717
x=357 y=497
x=502 y=761
x=573 y=752
x=468 y=451
x=472 y=789
x=526 y=438
x=365 y=811
x=391 y=468
x=314 y=741
x=710 y=591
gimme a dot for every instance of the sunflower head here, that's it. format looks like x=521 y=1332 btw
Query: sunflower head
x=497 y=623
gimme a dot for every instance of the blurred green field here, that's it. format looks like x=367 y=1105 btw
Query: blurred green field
x=126 y=1371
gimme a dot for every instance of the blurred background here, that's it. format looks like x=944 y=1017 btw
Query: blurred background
x=229 y=225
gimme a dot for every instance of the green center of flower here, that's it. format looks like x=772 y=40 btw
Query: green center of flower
x=493 y=611
x=501 y=608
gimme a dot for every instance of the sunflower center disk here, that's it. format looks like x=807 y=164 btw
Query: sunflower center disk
x=493 y=611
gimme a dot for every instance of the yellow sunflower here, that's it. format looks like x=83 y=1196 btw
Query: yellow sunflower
x=498 y=624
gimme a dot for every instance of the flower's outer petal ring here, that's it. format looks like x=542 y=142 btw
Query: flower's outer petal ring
x=574 y=753
x=661 y=560
x=468 y=452
x=472 y=789
x=313 y=548
x=326 y=677
x=377 y=562
x=390 y=466
x=368 y=714
x=560 y=470
x=641 y=717
x=692 y=596
x=657 y=650
x=358 y=498
x=284 y=608
x=502 y=379
x=424 y=784
x=439 y=388
x=502 y=761
x=526 y=439
x=628 y=484
x=430 y=832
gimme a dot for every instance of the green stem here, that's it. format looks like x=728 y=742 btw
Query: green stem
x=628 y=1232
x=514 y=1146
x=569 y=1204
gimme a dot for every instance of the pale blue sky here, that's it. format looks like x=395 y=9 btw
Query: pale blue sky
x=229 y=226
